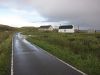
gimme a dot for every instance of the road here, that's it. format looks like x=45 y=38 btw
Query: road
x=29 y=59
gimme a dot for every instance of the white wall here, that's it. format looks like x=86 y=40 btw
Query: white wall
x=47 y=29
x=66 y=30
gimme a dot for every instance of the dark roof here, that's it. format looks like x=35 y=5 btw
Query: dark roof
x=45 y=26
x=66 y=27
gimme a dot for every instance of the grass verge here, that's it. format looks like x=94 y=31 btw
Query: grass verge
x=5 y=56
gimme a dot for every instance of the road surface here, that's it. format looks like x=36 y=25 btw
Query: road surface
x=29 y=59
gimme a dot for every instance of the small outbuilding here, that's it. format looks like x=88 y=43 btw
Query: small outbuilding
x=46 y=28
x=66 y=29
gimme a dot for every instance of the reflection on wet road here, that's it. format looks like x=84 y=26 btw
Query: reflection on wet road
x=28 y=59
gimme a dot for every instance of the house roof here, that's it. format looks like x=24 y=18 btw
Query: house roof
x=45 y=26
x=66 y=27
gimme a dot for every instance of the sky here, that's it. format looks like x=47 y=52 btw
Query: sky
x=18 y=13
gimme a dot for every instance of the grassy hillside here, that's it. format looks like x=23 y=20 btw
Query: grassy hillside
x=27 y=29
x=6 y=28
x=80 y=49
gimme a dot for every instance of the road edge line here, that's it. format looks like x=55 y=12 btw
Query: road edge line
x=59 y=59
x=12 y=59
x=62 y=61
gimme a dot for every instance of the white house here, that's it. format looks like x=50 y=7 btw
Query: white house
x=46 y=28
x=66 y=29
x=91 y=30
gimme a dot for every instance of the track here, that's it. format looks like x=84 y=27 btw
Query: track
x=29 y=59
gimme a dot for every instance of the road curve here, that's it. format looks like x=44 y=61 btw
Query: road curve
x=28 y=59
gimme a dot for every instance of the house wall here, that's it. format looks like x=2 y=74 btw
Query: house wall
x=50 y=29
x=91 y=31
x=47 y=29
x=66 y=30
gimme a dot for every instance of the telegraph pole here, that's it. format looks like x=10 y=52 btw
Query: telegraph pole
x=78 y=28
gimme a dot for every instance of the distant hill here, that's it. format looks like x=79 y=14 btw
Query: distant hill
x=6 y=28
x=28 y=28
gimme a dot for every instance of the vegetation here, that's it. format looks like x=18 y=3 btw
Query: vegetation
x=5 y=49
x=6 y=28
x=81 y=50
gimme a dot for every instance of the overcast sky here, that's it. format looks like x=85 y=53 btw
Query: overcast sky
x=85 y=13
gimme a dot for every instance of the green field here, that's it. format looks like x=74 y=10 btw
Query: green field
x=81 y=50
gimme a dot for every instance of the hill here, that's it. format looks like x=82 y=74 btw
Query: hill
x=6 y=28
x=27 y=29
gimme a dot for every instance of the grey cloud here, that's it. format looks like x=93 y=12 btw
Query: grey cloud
x=85 y=12
x=79 y=12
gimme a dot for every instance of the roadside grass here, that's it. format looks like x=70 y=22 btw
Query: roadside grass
x=5 y=53
x=81 y=50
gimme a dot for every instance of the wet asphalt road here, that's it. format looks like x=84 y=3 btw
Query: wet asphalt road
x=28 y=59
